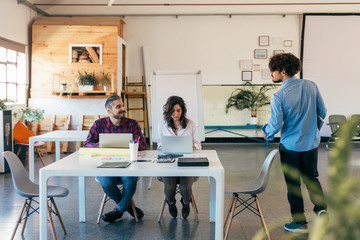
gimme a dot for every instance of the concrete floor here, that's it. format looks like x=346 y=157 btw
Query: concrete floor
x=242 y=162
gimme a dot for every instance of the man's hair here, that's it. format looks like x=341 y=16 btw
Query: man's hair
x=110 y=100
x=169 y=109
x=285 y=61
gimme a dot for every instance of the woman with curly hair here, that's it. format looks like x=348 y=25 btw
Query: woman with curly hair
x=175 y=123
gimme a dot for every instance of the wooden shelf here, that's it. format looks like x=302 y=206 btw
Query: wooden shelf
x=85 y=94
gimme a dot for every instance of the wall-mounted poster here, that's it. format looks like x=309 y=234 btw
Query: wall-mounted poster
x=85 y=53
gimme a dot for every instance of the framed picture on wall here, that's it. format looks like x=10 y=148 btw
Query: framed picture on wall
x=260 y=53
x=246 y=76
x=245 y=64
x=276 y=41
x=256 y=67
x=266 y=73
x=85 y=53
x=287 y=43
x=263 y=40
x=278 y=51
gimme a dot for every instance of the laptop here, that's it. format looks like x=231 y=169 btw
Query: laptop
x=177 y=144
x=115 y=140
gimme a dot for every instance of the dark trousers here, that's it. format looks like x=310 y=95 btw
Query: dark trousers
x=303 y=165
x=185 y=185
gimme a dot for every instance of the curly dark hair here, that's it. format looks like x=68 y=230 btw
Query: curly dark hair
x=168 y=110
x=285 y=61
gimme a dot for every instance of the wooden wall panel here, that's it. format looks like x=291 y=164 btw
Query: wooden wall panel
x=50 y=52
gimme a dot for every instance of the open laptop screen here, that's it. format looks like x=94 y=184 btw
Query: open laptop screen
x=176 y=144
x=115 y=140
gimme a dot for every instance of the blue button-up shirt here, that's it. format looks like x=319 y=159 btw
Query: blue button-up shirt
x=298 y=110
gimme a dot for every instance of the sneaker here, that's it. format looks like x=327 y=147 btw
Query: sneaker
x=139 y=212
x=296 y=227
x=173 y=209
x=185 y=210
x=112 y=216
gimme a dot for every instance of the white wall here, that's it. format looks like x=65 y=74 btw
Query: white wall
x=214 y=45
x=15 y=21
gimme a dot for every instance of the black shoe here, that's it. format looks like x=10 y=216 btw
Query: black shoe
x=139 y=212
x=185 y=209
x=112 y=216
x=173 y=209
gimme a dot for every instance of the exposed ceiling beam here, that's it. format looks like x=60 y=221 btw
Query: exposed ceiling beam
x=33 y=7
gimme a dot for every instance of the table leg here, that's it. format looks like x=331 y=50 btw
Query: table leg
x=212 y=204
x=219 y=215
x=57 y=150
x=43 y=206
x=82 y=191
x=31 y=160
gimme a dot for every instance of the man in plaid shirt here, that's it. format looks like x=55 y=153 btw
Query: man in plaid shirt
x=117 y=123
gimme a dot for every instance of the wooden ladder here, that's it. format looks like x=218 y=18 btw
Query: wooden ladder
x=135 y=101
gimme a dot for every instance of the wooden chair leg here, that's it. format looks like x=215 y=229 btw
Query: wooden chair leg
x=195 y=209
x=134 y=210
x=227 y=216
x=262 y=217
x=101 y=209
x=162 y=209
x=231 y=218
x=40 y=155
x=58 y=214
x=26 y=218
x=51 y=223
x=17 y=224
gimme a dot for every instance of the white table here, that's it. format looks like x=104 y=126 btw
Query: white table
x=57 y=137
x=81 y=166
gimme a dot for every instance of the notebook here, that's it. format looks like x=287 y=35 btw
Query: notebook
x=193 y=162
x=115 y=140
x=114 y=165
x=176 y=144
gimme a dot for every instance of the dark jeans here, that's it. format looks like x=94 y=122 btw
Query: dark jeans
x=185 y=185
x=111 y=189
x=304 y=165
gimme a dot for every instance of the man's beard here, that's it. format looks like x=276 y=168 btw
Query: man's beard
x=277 y=81
x=120 y=115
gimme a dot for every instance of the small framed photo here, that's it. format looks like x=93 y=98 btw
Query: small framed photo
x=287 y=43
x=278 y=52
x=260 y=53
x=263 y=40
x=266 y=73
x=245 y=64
x=276 y=41
x=85 y=53
x=256 y=67
x=246 y=75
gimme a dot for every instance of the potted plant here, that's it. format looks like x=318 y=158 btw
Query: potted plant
x=86 y=80
x=105 y=80
x=31 y=115
x=252 y=99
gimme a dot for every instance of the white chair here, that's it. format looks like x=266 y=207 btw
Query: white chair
x=28 y=189
x=251 y=188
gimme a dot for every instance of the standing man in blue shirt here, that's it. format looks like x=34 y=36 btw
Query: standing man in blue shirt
x=298 y=110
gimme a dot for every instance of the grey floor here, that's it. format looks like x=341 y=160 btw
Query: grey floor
x=242 y=162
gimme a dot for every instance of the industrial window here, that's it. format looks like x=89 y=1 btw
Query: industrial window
x=12 y=71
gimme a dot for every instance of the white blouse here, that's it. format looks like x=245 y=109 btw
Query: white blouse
x=190 y=130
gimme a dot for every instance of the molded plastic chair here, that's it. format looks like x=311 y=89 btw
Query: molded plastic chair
x=28 y=189
x=251 y=188
x=106 y=198
x=335 y=122
x=192 y=202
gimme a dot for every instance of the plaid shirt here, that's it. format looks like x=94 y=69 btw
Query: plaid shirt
x=104 y=125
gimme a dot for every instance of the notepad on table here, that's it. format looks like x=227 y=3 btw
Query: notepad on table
x=118 y=164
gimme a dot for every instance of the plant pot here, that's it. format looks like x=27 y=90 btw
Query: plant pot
x=63 y=87
x=106 y=88
x=253 y=120
x=86 y=87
